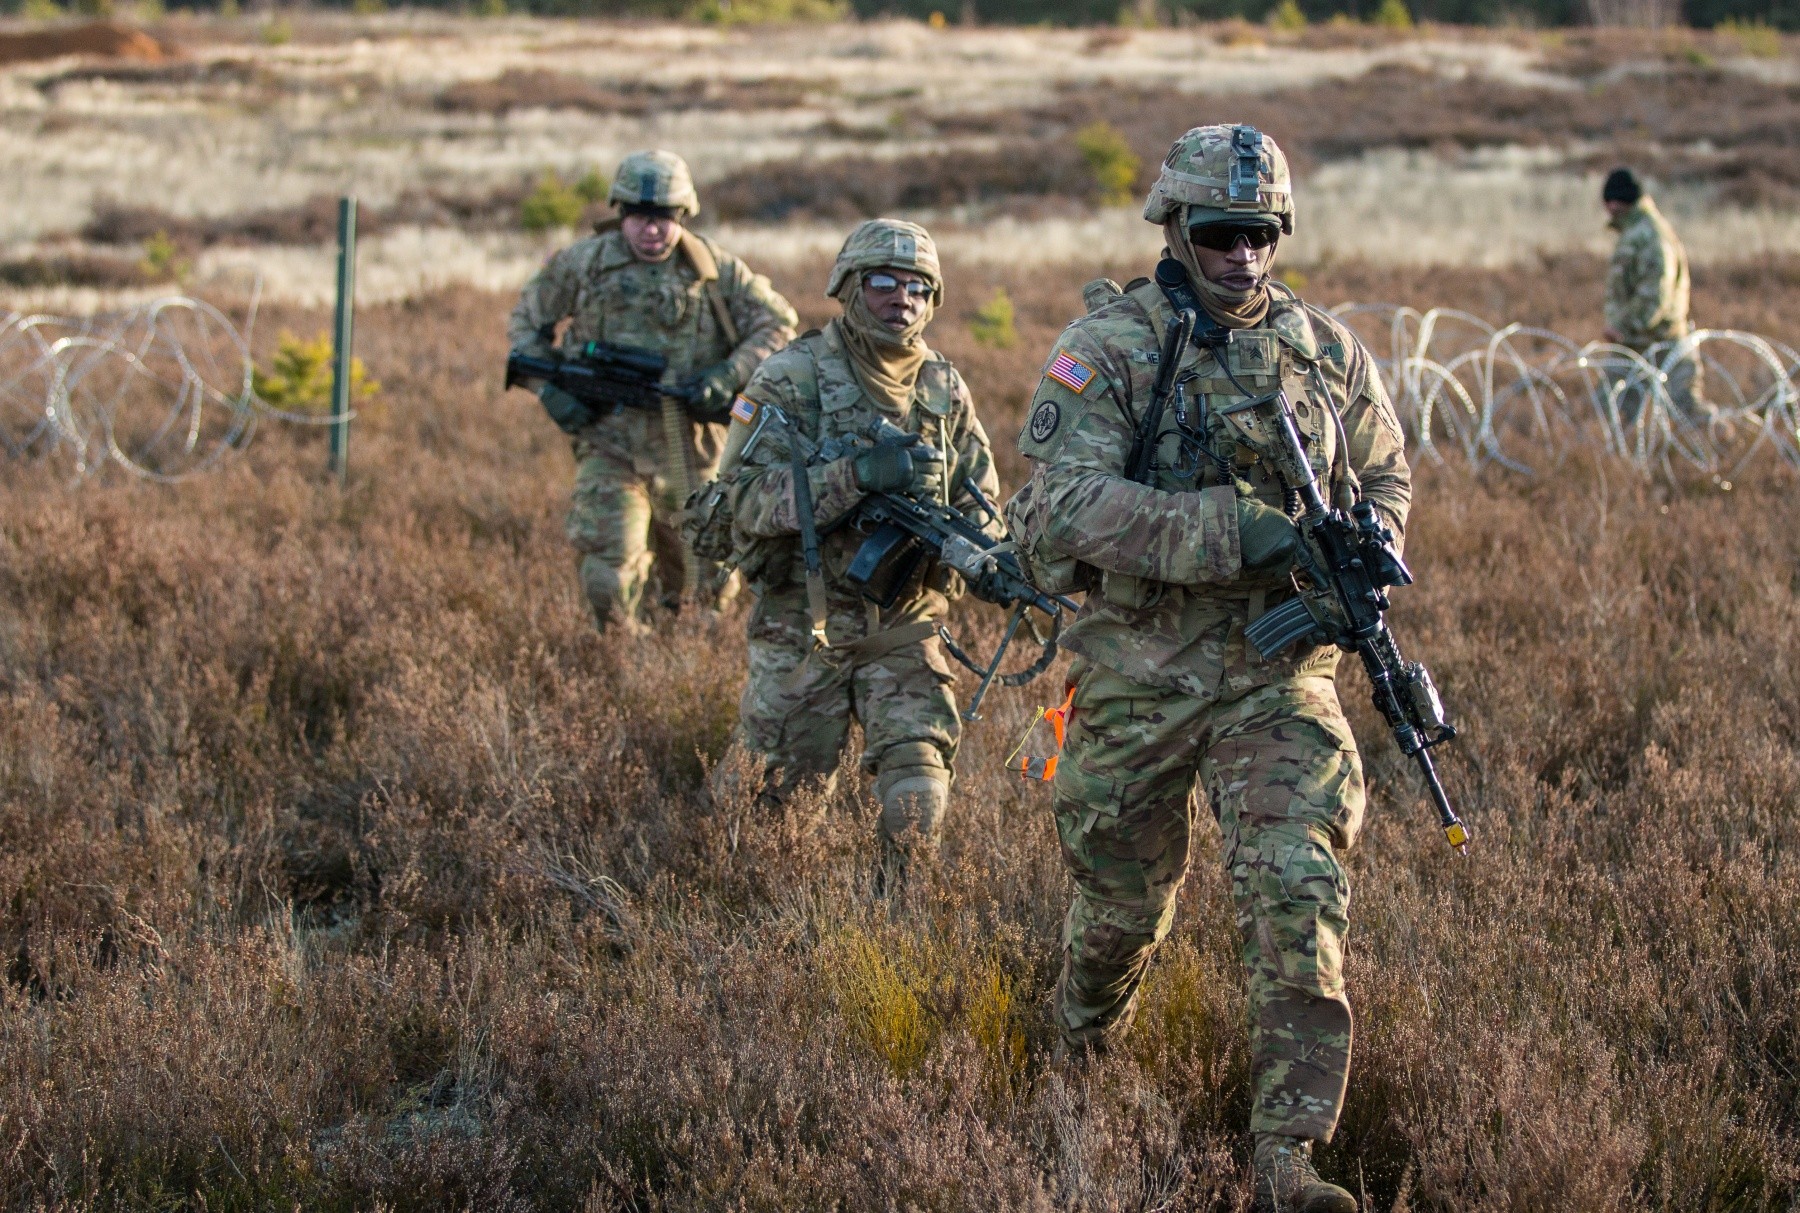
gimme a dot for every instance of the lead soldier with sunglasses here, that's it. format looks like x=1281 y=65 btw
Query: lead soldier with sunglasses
x=1172 y=513
x=797 y=462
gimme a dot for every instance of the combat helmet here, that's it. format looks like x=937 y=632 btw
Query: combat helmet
x=891 y=244
x=1223 y=173
x=655 y=178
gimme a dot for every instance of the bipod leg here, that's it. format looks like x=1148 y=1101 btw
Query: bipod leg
x=987 y=679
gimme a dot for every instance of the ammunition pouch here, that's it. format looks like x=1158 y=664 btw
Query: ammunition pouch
x=706 y=524
x=1132 y=593
x=1051 y=571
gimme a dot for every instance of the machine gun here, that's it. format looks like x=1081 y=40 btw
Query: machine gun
x=1351 y=563
x=904 y=531
x=601 y=378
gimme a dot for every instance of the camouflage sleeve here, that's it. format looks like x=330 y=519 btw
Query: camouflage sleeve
x=1375 y=444
x=762 y=486
x=1640 y=282
x=1092 y=513
x=1618 y=290
x=545 y=300
x=974 y=461
x=765 y=320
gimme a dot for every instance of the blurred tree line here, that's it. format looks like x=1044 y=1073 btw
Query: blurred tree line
x=1705 y=14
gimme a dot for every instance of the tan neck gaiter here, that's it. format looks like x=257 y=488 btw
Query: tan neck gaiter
x=1233 y=309
x=886 y=362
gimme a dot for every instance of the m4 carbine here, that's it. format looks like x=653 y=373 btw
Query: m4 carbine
x=1351 y=563
x=903 y=531
x=602 y=378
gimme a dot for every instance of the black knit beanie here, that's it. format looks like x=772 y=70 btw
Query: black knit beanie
x=1621 y=185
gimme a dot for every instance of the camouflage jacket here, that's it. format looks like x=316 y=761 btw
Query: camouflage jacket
x=1647 y=281
x=674 y=307
x=815 y=385
x=1171 y=599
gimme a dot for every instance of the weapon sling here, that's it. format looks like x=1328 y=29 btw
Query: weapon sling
x=816 y=607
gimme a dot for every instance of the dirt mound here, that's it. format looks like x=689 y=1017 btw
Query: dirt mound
x=98 y=39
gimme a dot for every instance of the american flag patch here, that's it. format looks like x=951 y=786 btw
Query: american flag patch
x=743 y=409
x=1072 y=373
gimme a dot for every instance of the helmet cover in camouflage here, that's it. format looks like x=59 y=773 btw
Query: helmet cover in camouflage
x=887 y=244
x=1223 y=173
x=655 y=178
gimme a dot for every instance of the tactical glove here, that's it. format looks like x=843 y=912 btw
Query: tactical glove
x=570 y=414
x=928 y=473
x=1268 y=540
x=713 y=392
x=887 y=468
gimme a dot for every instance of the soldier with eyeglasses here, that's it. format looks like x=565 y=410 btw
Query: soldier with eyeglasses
x=1179 y=549
x=883 y=668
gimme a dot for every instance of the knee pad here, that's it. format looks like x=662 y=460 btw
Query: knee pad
x=613 y=590
x=913 y=785
x=600 y=581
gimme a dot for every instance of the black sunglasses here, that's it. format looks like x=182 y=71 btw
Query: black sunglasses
x=1223 y=237
x=886 y=284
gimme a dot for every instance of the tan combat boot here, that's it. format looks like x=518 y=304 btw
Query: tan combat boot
x=1287 y=1183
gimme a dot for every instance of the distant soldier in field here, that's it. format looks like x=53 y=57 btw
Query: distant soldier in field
x=1647 y=290
x=647 y=282
x=883 y=668
x=1166 y=690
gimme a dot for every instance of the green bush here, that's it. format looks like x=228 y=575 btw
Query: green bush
x=1755 y=35
x=162 y=259
x=299 y=379
x=1287 y=17
x=761 y=12
x=552 y=204
x=592 y=187
x=1111 y=161
x=1393 y=14
x=992 y=324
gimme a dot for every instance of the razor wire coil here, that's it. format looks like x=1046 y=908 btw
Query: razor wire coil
x=167 y=389
x=1521 y=397
x=164 y=390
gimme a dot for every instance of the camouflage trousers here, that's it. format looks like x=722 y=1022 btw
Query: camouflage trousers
x=1280 y=769
x=798 y=706
x=1686 y=385
x=626 y=527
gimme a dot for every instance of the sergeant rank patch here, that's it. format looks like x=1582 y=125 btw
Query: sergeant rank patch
x=743 y=409
x=1044 y=421
x=1072 y=373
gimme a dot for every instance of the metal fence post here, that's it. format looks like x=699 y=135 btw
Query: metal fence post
x=343 y=338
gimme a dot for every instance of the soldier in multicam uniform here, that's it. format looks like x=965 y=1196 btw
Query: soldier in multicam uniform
x=1647 y=291
x=1166 y=689
x=882 y=667
x=648 y=282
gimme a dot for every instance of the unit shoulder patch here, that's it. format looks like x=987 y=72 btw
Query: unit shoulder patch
x=1044 y=420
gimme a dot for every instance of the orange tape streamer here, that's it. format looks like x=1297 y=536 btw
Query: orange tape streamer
x=1030 y=767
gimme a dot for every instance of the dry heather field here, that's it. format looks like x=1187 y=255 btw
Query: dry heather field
x=343 y=866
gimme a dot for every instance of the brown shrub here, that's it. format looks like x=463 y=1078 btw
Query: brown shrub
x=1679 y=122
x=345 y=865
x=313 y=221
x=74 y=269
x=538 y=88
x=855 y=187
x=99 y=39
